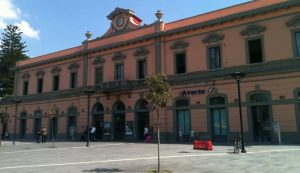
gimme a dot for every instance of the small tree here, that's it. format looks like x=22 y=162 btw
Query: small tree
x=12 y=49
x=158 y=95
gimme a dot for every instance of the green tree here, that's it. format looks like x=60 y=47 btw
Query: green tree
x=12 y=49
x=159 y=95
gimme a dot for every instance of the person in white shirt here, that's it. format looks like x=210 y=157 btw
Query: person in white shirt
x=93 y=133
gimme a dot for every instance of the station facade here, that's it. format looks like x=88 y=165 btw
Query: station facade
x=260 y=39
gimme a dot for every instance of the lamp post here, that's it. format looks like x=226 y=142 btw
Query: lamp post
x=238 y=77
x=88 y=93
x=15 y=123
x=52 y=112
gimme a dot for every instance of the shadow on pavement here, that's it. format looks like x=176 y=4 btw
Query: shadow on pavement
x=107 y=170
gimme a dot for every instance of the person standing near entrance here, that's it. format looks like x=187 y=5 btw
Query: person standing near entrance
x=44 y=134
x=145 y=132
x=93 y=133
x=180 y=134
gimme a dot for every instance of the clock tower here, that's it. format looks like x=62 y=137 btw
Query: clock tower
x=122 y=20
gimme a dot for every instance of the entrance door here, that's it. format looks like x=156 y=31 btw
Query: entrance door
x=261 y=123
x=98 y=123
x=22 y=128
x=183 y=124
x=72 y=125
x=119 y=126
x=4 y=129
x=219 y=124
x=37 y=127
x=53 y=122
x=142 y=122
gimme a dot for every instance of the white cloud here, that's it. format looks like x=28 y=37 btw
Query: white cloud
x=10 y=12
x=2 y=24
x=28 y=30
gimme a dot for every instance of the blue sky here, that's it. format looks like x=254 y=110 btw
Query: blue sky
x=53 y=25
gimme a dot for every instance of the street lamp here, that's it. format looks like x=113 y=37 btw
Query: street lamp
x=238 y=77
x=15 y=123
x=88 y=93
x=52 y=112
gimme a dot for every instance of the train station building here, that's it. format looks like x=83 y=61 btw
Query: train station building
x=260 y=39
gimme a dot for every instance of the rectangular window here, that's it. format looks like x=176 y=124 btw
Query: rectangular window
x=214 y=57
x=255 y=51
x=55 y=83
x=119 y=72
x=73 y=80
x=25 y=88
x=98 y=75
x=141 y=69
x=297 y=39
x=180 y=63
x=40 y=85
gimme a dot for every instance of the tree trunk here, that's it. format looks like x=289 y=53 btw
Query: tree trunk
x=158 y=142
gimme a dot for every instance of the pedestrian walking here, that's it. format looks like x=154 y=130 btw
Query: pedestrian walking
x=93 y=133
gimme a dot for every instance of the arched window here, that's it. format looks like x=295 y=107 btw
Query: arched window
x=182 y=103
x=142 y=104
x=119 y=106
x=217 y=101
x=23 y=115
x=98 y=108
x=72 y=111
x=256 y=98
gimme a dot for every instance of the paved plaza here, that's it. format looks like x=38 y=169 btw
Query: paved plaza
x=115 y=157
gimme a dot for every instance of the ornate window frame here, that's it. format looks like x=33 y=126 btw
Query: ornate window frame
x=294 y=25
x=254 y=32
x=213 y=40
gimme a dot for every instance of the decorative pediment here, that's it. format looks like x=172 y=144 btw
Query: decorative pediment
x=122 y=20
x=253 y=30
x=118 y=56
x=74 y=67
x=179 y=44
x=56 y=70
x=294 y=22
x=141 y=52
x=26 y=76
x=40 y=73
x=118 y=11
x=98 y=60
x=213 y=38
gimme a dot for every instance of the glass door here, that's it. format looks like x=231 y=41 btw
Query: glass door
x=219 y=124
x=22 y=128
x=183 y=123
x=261 y=123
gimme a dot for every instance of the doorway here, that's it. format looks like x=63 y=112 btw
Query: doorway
x=98 y=121
x=142 y=118
x=23 y=128
x=54 y=123
x=183 y=123
x=4 y=129
x=219 y=124
x=119 y=120
x=142 y=122
x=37 y=127
x=261 y=123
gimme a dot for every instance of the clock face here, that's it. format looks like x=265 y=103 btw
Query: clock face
x=119 y=21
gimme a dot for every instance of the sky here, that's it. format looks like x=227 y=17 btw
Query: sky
x=53 y=25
